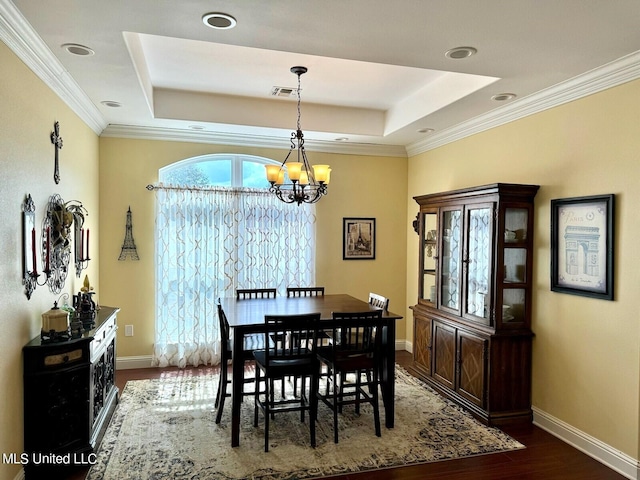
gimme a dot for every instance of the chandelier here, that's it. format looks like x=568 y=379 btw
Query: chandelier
x=306 y=183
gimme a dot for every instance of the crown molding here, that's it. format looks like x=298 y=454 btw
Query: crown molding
x=622 y=70
x=20 y=37
x=223 y=138
x=18 y=34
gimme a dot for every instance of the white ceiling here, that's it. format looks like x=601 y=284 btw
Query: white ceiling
x=377 y=69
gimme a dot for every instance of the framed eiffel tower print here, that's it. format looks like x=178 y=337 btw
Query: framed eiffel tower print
x=129 y=245
x=358 y=238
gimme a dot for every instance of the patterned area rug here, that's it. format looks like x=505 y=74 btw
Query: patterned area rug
x=165 y=429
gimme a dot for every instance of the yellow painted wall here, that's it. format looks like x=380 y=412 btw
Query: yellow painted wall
x=28 y=110
x=361 y=186
x=586 y=351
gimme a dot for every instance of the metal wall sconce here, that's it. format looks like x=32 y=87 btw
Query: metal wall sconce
x=55 y=243
x=81 y=239
x=30 y=274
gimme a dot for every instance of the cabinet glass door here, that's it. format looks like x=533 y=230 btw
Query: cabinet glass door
x=450 y=260
x=478 y=262
x=515 y=269
x=429 y=256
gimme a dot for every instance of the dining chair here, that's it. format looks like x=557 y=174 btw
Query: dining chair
x=288 y=358
x=305 y=292
x=379 y=301
x=246 y=293
x=251 y=342
x=356 y=352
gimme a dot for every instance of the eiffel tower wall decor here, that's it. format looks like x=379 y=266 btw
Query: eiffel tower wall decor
x=358 y=238
x=129 y=246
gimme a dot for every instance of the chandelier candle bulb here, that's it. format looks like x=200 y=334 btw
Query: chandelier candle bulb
x=272 y=173
x=321 y=173
x=294 y=169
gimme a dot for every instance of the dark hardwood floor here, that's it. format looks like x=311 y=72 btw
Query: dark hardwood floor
x=545 y=457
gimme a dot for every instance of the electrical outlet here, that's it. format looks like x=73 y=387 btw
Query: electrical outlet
x=128 y=330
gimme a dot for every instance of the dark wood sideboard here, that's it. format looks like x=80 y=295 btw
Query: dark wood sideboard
x=69 y=398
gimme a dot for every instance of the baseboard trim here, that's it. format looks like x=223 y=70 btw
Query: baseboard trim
x=600 y=451
x=128 y=363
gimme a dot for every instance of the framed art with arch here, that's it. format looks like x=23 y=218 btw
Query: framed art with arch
x=582 y=237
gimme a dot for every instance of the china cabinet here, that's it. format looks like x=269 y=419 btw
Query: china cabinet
x=472 y=322
x=69 y=397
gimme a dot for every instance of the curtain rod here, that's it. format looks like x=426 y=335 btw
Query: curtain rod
x=207 y=188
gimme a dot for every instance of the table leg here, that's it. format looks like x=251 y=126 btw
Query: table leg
x=237 y=376
x=388 y=372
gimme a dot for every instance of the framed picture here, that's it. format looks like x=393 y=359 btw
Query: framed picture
x=582 y=246
x=358 y=238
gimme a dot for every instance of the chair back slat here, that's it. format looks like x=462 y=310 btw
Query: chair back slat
x=379 y=301
x=357 y=331
x=290 y=336
x=247 y=293
x=305 y=292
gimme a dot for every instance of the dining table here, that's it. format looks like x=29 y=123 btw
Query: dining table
x=246 y=316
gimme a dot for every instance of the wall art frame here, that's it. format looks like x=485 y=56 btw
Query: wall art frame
x=582 y=246
x=358 y=238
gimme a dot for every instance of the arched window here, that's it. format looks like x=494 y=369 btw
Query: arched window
x=224 y=170
x=218 y=228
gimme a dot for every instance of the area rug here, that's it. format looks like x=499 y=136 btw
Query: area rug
x=165 y=429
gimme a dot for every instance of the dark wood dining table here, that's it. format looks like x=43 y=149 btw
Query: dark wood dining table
x=247 y=316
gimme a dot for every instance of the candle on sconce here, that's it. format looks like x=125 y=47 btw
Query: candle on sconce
x=48 y=250
x=81 y=244
x=33 y=252
x=87 y=257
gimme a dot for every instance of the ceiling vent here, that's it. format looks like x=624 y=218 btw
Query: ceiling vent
x=283 y=91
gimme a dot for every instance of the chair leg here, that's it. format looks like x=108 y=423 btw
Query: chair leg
x=303 y=396
x=358 y=386
x=376 y=409
x=222 y=392
x=221 y=383
x=256 y=398
x=267 y=413
x=335 y=407
x=313 y=409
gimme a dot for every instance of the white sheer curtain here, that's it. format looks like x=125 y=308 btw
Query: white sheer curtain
x=211 y=241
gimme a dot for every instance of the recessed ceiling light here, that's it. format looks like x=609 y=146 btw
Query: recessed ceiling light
x=425 y=130
x=77 y=49
x=219 y=21
x=342 y=139
x=501 y=97
x=111 y=103
x=459 y=53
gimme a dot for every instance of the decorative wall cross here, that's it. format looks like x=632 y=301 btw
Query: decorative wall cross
x=56 y=139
